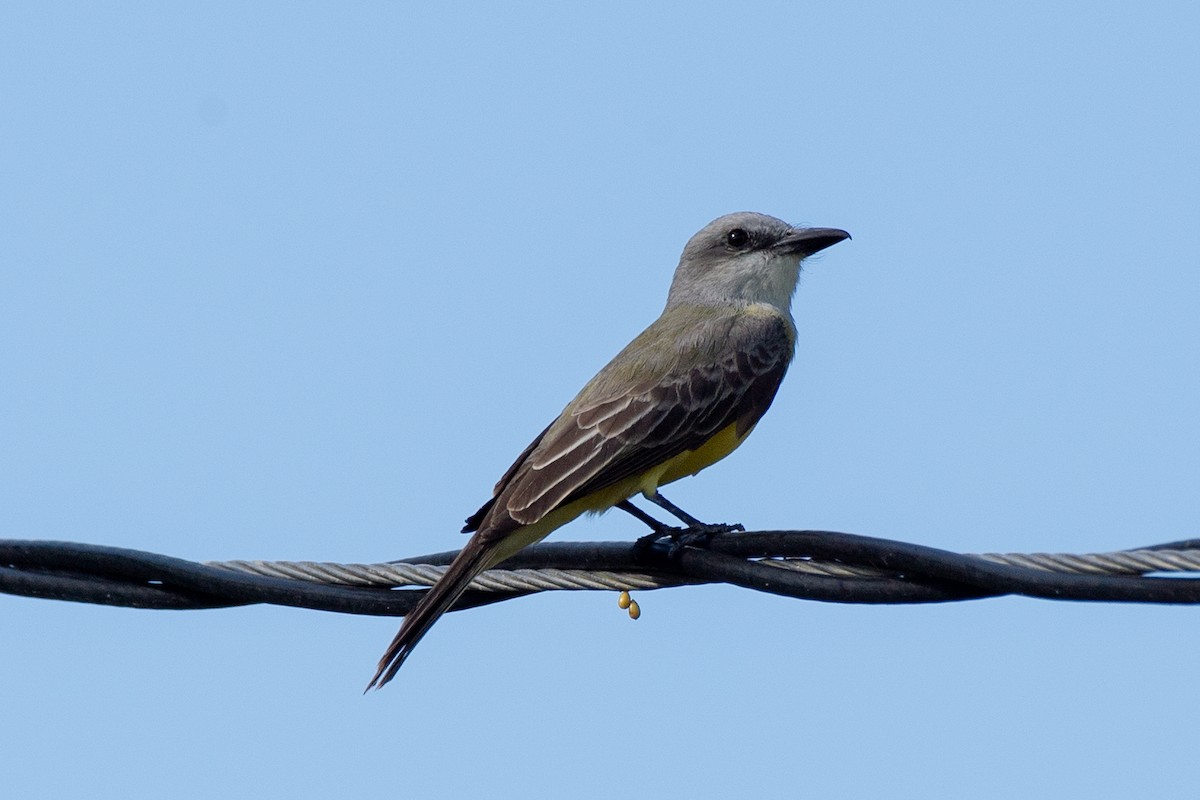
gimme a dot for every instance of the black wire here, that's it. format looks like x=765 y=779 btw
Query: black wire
x=137 y=579
x=986 y=577
x=116 y=576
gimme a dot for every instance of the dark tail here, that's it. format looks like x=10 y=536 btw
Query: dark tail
x=437 y=601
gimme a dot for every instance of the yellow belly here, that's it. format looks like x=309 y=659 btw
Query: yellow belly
x=689 y=462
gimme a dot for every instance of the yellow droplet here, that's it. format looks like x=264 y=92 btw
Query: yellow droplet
x=635 y=610
x=623 y=600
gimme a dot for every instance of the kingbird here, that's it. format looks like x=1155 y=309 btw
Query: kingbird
x=681 y=396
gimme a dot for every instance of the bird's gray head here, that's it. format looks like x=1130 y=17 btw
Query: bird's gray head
x=746 y=258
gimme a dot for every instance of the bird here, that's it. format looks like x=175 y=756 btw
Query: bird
x=682 y=395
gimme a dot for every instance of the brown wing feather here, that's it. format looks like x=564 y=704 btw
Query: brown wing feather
x=597 y=444
x=667 y=437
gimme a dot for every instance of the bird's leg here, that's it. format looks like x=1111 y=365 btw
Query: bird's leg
x=696 y=532
x=693 y=525
x=659 y=528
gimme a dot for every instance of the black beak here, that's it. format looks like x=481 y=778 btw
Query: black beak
x=807 y=241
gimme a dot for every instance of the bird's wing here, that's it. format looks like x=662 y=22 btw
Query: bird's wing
x=597 y=443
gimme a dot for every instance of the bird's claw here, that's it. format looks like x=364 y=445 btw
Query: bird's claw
x=698 y=535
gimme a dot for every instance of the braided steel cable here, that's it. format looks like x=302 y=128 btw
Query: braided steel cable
x=816 y=565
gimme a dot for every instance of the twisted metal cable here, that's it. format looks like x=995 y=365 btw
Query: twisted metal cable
x=814 y=565
x=398 y=574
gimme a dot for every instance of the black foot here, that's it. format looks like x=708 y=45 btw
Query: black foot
x=698 y=535
x=709 y=530
x=664 y=534
x=695 y=534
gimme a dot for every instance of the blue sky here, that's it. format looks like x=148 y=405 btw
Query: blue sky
x=298 y=282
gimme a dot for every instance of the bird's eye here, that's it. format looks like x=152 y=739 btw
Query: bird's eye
x=737 y=238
